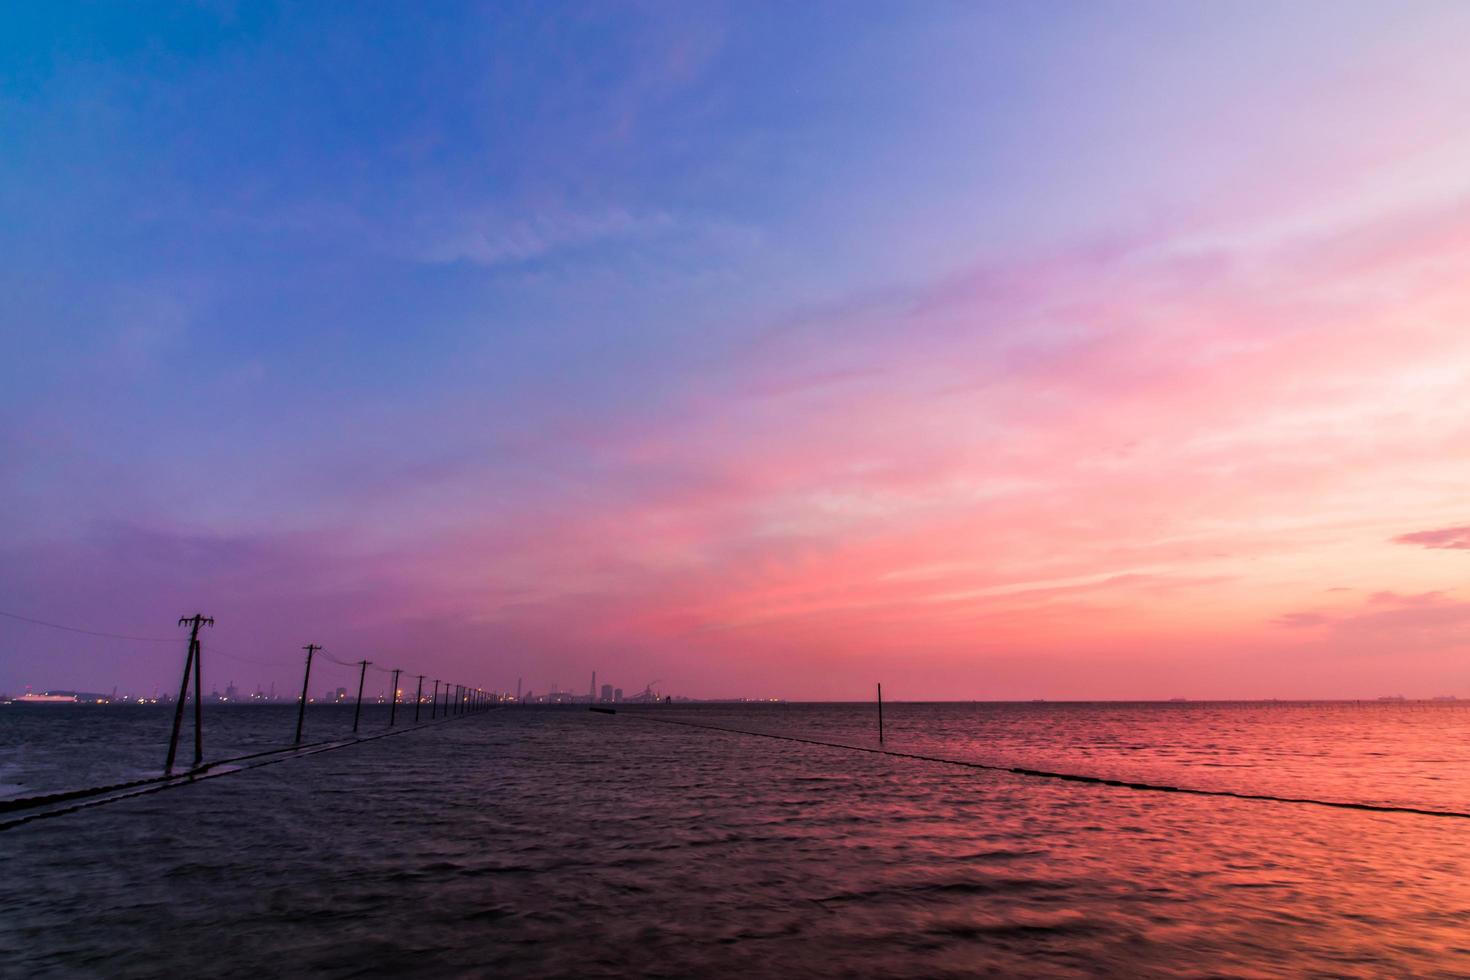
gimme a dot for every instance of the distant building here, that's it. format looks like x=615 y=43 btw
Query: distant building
x=607 y=692
x=617 y=694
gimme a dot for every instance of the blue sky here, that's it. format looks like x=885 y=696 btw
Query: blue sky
x=342 y=285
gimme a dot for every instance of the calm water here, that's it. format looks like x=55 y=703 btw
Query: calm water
x=542 y=842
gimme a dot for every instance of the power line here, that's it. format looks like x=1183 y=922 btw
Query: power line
x=1066 y=776
x=340 y=663
x=77 y=629
x=174 y=639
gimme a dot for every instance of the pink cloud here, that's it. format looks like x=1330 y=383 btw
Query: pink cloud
x=1139 y=434
x=1128 y=454
x=1445 y=537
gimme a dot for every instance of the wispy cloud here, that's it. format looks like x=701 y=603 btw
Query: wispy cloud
x=495 y=238
x=1389 y=622
x=1302 y=620
x=1456 y=538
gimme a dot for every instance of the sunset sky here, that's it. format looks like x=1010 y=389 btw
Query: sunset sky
x=1063 y=350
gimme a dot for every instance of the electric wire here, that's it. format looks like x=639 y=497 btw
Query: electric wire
x=77 y=629
x=1069 y=777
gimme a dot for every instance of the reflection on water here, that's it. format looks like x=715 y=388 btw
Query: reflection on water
x=563 y=843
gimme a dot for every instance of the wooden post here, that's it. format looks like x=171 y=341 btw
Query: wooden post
x=393 y=711
x=198 y=704
x=310 y=649
x=358 y=712
x=880 y=714
x=418 y=699
x=191 y=661
x=173 y=740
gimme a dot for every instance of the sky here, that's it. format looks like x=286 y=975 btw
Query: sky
x=986 y=350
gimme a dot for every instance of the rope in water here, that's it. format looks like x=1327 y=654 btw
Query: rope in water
x=1065 y=776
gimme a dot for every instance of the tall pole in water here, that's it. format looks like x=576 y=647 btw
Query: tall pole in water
x=393 y=711
x=434 y=704
x=880 y=714
x=173 y=739
x=360 y=677
x=198 y=703
x=310 y=649
x=418 y=699
x=190 y=659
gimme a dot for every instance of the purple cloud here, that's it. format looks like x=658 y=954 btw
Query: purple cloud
x=1390 y=621
x=1445 y=537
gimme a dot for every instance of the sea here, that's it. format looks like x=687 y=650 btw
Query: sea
x=684 y=840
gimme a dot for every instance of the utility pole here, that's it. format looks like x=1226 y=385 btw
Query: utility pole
x=191 y=660
x=880 y=714
x=198 y=693
x=393 y=711
x=310 y=649
x=418 y=699
x=434 y=704
x=360 y=677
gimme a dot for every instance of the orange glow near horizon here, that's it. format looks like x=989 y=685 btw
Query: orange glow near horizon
x=1134 y=369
